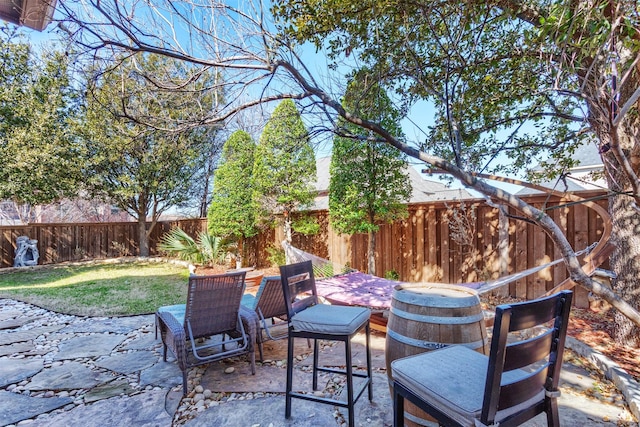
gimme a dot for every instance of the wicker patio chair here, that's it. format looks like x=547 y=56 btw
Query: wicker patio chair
x=213 y=308
x=268 y=303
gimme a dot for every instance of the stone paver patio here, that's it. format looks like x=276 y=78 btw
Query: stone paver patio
x=60 y=370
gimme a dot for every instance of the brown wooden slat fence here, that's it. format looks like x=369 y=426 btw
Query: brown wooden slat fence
x=427 y=247
x=75 y=242
x=430 y=245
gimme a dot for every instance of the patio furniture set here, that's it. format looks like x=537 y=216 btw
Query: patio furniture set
x=456 y=385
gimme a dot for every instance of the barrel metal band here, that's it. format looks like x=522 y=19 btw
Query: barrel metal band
x=437 y=319
x=422 y=299
x=429 y=345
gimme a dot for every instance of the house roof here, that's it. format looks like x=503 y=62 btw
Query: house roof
x=587 y=155
x=578 y=178
x=423 y=190
x=35 y=14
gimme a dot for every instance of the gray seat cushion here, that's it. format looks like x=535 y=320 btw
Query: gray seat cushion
x=452 y=379
x=330 y=319
x=249 y=301
x=178 y=311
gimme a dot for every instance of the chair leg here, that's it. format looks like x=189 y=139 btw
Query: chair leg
x=259 y=340
x=315 y=363
x=553 y=419
x=368 y=350
x=287 y=411
x=398 y=408
x=349 y=366
x=184 y=382
x=260 y=350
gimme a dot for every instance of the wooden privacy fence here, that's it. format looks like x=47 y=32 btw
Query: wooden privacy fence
x=439 y=242
x=75 y=242
x=468 y=242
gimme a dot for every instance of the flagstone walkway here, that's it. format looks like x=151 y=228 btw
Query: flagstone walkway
x=61 y=370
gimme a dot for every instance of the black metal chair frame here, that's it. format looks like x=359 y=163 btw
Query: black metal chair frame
x=542 y=354
x=299 y=288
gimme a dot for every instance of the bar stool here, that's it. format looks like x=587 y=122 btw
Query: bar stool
x=312 y=320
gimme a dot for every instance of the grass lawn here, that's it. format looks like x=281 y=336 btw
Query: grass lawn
x=98 y=289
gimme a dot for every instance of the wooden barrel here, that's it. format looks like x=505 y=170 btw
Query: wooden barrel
x=425 y=317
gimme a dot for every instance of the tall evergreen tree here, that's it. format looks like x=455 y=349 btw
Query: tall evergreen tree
x=284 y=169
x=368 y=184
x=231 y=213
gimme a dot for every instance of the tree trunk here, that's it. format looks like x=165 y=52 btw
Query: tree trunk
x=142 y=236
x=625 y=261
x=624 y=210
x=240 y=254
x=371 y=253
x=287 y=228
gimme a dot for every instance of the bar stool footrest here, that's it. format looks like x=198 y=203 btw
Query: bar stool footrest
x=340 y=403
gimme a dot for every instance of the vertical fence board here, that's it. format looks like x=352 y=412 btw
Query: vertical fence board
x=521 y=250
x=445 y=248
x=581 y=219
x=488 y=247
x=410 y=252
x=418 y=244
x=539 y=258
x=560 y=217
x=504 y=251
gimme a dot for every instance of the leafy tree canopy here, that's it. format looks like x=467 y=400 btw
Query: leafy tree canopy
x=368 y=185
x=40 y=157
x=139 y=156
x=493 y=93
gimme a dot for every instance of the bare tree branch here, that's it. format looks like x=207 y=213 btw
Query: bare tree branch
x=258 y=67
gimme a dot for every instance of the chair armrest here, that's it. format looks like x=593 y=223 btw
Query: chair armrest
x=251 y=324
x=173 y=336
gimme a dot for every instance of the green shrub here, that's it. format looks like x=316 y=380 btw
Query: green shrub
x=306 y=225
x=276 y=256
x=391 y=275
